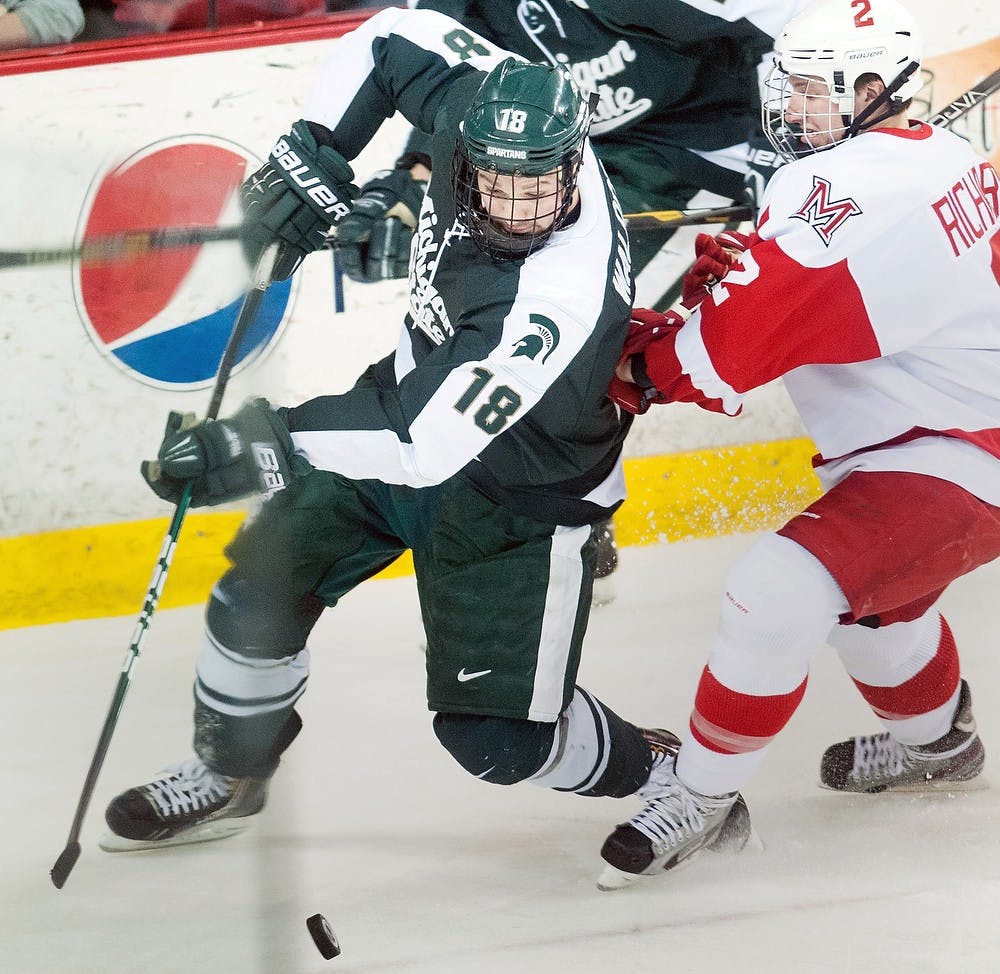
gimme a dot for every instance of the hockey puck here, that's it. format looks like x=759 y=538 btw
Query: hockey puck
x=323 y=936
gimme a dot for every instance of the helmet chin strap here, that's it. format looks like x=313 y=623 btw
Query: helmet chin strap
x=863 y=119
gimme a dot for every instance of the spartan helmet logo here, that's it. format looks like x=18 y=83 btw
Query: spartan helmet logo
x=543 y=339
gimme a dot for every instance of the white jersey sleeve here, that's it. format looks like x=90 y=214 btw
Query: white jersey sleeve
x=401 y=60
x=874 y=290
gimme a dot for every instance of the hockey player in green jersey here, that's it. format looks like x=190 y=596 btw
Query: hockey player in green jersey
x=676 y=102
x=486 y=443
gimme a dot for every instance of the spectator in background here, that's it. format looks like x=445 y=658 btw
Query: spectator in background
x=32 y=23
x=160 y=16
x=107 y=19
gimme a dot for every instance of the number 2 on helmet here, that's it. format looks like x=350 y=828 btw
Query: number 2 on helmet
x=863 y=13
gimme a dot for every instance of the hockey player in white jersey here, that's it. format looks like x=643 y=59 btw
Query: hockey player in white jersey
x=872 y=285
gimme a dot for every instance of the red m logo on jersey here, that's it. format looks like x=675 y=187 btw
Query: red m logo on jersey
x=824 y=215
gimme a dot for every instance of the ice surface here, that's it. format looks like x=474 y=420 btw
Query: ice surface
x=420 y=868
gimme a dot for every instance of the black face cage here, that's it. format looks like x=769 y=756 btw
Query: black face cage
x=490 y=219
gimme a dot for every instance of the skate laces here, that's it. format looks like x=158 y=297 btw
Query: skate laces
x=879 y=755
x=661 y=773
x=187 y=787
x=876 y=755
x=666 y=820
x=673 y=811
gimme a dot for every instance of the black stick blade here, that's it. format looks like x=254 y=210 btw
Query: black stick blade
x=64 y=864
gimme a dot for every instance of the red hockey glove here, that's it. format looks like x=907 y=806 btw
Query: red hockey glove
x=714 y=257
x=628 y=396
x=645 y=328
x=649 y=326
x=733 y=242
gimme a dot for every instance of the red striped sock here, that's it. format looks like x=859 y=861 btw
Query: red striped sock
x=925 y=691
x=730 y=722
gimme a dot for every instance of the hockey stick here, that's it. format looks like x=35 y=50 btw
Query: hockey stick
x=659 y=219
x=114 y=247
x=968 y=100
x=129 y=244
x=248 y=313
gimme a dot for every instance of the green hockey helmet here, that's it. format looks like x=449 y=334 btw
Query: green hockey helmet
x=518 y=156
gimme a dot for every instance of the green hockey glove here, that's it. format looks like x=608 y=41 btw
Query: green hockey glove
x=374 y=239
x=226 y=459
x=302 y=190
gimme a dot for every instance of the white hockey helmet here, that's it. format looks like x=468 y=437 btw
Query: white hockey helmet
x=838 y=41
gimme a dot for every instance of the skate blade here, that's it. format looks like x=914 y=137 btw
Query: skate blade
x=936 y=786
x=612 y=878
x=206 y=832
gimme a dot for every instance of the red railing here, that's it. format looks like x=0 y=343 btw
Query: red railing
x=177 y=44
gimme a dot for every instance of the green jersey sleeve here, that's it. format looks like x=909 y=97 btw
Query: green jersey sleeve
x=408 y=61
x=501 y=371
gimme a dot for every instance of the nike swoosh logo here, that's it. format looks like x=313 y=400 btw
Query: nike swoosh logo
x=464 y=677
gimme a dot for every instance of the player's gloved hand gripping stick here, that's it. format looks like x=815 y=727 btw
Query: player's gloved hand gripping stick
x=289 y=205
x=273 y=256
x=373 y=240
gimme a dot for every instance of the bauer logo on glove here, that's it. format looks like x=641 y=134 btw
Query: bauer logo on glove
x=302 y=175
x=271 y=478
x=224 y=459
x=303 y=188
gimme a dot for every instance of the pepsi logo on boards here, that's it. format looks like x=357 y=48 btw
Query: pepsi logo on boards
x=165 y=316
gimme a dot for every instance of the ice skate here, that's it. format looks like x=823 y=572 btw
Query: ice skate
x=663 y=743
x=675 y=824
x=606 y=564
x=187 y=803
x=878 y=762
